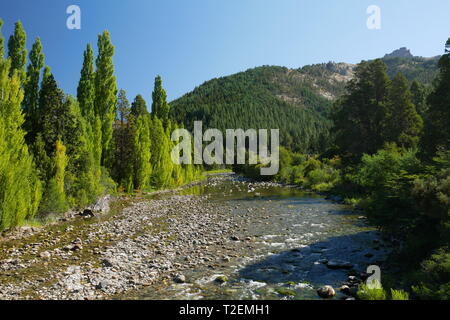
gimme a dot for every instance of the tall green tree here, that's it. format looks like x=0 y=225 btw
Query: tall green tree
x=31 y=100
x=160 y=107
x=419 y=97
x=86 y=101
x=20 y=188
x=437 y=131
x=403 y=125
x=17 y=51
x=139 y=106
x=123 y=106
x=105 y=95
x=123 y=136
x=55 y=194
x=2 y=41
x=86 y=85
x=177 y=172
x=162 y=164
x=142 y=152
x=52 y=112
x=84 y=173
x=359 y=115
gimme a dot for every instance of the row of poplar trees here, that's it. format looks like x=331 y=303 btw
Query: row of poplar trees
x=58 y=152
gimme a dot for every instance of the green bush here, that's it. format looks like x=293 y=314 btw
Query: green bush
x=435 y=277
x=308 y=172
x=387 y=178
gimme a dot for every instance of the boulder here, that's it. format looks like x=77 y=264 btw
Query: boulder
x=179 y=278
x=326 y=292
x=221 y=279
x=344 y=289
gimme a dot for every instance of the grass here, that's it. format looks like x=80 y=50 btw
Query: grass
x=366 y=293
x=399 y=295
x=217 y=171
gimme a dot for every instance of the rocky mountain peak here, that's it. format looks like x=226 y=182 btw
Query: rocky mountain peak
x=400 y=53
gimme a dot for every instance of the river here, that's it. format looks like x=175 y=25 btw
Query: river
x=288 y=240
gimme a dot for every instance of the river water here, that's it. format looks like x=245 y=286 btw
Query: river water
x=294 y=236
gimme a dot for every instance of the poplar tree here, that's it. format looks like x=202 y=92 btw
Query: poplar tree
x=142 y=154
x=20 y=188
x=17 y=51
x=86 y=101
x=162 y=164
x=403 y=125
x=105 y=95
x=55 y=195
x=83 y=171
x=177 y=172
x=86 y=85
x=31 y=100
x=160 y=107
x=2 y=42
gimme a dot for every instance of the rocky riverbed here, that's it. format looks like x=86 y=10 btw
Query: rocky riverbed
x=227 y=238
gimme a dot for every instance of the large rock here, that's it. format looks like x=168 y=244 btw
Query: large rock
x=326 y=292
x=221 y=279
x=179 y=278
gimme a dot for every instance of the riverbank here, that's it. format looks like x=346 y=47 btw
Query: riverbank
x=130 y=250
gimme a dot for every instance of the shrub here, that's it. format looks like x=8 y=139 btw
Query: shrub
x=435 y=282
x=387 y=178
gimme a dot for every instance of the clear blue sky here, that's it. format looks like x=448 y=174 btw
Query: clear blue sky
x=190 y=41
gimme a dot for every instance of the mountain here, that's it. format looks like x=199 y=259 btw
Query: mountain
x=399 y=53
x=264 y=98
x=422 y=69
x=296 y=100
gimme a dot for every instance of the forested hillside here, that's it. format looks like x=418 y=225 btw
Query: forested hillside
x=421 y=69
x=298 y=101
x=260 y=98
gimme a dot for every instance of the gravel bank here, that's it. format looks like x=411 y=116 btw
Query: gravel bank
x=149 y=241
